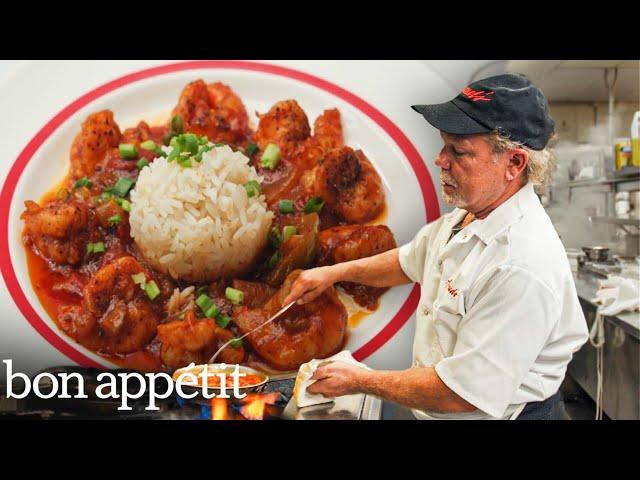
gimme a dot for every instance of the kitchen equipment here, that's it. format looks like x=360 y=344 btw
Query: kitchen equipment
x=622 y=152
x=273 y=317
x=634 y=201
x=635 y=139
x=213 y=369
x=576 y=258
x=351 y=407
x=596 y=253
x=623 y=206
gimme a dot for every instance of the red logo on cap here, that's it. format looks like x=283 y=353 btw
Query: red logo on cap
x=477 y=95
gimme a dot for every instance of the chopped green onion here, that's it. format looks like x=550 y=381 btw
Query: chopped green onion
x=223 y=321
x=191 y=143
x=204 y=302
x=82 y=182
x=212 y=311
x=152 y=290
x=202 y=290
x=185 y=162
x=314 y=204
x=235 y=296
x=114 y=220
x=104 y=196
x=188 y=147
x=125 y=205
x=176 y=124
x=159 y=152
x=286 y=206
x=274 y=260
x=139 y=278
x=128 y=151
x=143 y=162
x=270 y=157
x=288 y=232
x=202 y=149
x=219 y=144
x=97 y=247
x=251 y=148
x=175 y=129
x=236 y=343
x=252 y=187
x=122 y=186
x=275 y=237
x=149 y=145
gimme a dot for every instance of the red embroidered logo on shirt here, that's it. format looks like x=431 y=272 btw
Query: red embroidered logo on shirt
x=477 y=95
x=452 y=291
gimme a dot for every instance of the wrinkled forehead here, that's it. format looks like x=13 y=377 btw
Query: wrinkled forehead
x=464 y=140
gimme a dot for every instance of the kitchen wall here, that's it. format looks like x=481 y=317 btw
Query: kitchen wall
x=588 y=122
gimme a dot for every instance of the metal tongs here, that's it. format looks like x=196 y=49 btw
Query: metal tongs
x=273 y=317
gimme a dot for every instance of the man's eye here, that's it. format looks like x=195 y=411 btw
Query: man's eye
x=457 y=153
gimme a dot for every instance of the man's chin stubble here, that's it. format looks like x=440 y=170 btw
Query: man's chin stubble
x=452 y=200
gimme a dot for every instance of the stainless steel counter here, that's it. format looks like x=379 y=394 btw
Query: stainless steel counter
x=621 y=377
x=348 y=407
x=587 y=286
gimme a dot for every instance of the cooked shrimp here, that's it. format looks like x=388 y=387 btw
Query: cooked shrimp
x=214 y=111
x=99 y=134
x=286 y=125
x=195 y=340
x=327 y=135
x=349 y=184
x=58 y=230
x=116 y=316
x=351 y=242
x=143 y=132
x=327 y=130
x=313 y=330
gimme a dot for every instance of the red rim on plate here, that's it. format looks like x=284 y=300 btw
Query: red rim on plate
x=415 y=160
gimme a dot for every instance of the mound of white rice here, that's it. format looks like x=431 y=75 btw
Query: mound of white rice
x=198 y=224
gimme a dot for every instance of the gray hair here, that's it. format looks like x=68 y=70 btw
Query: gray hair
x=541 y=165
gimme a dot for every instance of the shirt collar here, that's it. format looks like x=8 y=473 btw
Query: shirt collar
x=505 y=215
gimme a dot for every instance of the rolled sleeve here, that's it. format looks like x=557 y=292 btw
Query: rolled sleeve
x=499 y=338
x=412 y=255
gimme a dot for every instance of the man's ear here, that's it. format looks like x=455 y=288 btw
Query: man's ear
x=518 y=160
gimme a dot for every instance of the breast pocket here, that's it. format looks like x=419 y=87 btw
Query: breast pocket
x=449 y=310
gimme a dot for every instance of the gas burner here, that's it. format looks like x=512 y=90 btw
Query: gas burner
x=267 y=404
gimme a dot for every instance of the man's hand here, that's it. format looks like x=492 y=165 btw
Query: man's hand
x=337 y=379
x=311 y=283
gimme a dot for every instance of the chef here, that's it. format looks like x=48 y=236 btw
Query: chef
x=498 y=318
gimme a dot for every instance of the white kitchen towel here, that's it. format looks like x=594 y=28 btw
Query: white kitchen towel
x=618 y=294
x=304 y=398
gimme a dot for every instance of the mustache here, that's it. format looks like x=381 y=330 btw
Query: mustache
x=447 y=178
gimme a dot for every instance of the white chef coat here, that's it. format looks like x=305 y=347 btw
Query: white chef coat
x=499 y=315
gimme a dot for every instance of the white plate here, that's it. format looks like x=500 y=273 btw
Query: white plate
x=152 y=92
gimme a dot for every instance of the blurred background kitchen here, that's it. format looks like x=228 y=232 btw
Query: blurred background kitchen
x=594 y=203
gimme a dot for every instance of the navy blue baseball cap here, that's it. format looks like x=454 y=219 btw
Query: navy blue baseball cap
x=509 y=104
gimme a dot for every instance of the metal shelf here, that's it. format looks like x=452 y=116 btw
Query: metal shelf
x=596 y=182
x=617 y=221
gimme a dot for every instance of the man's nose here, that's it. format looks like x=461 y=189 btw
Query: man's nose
x=442 y=161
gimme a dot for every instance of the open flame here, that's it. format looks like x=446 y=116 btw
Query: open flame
x=251 y=407
x=219 y=409
x=254 y=404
